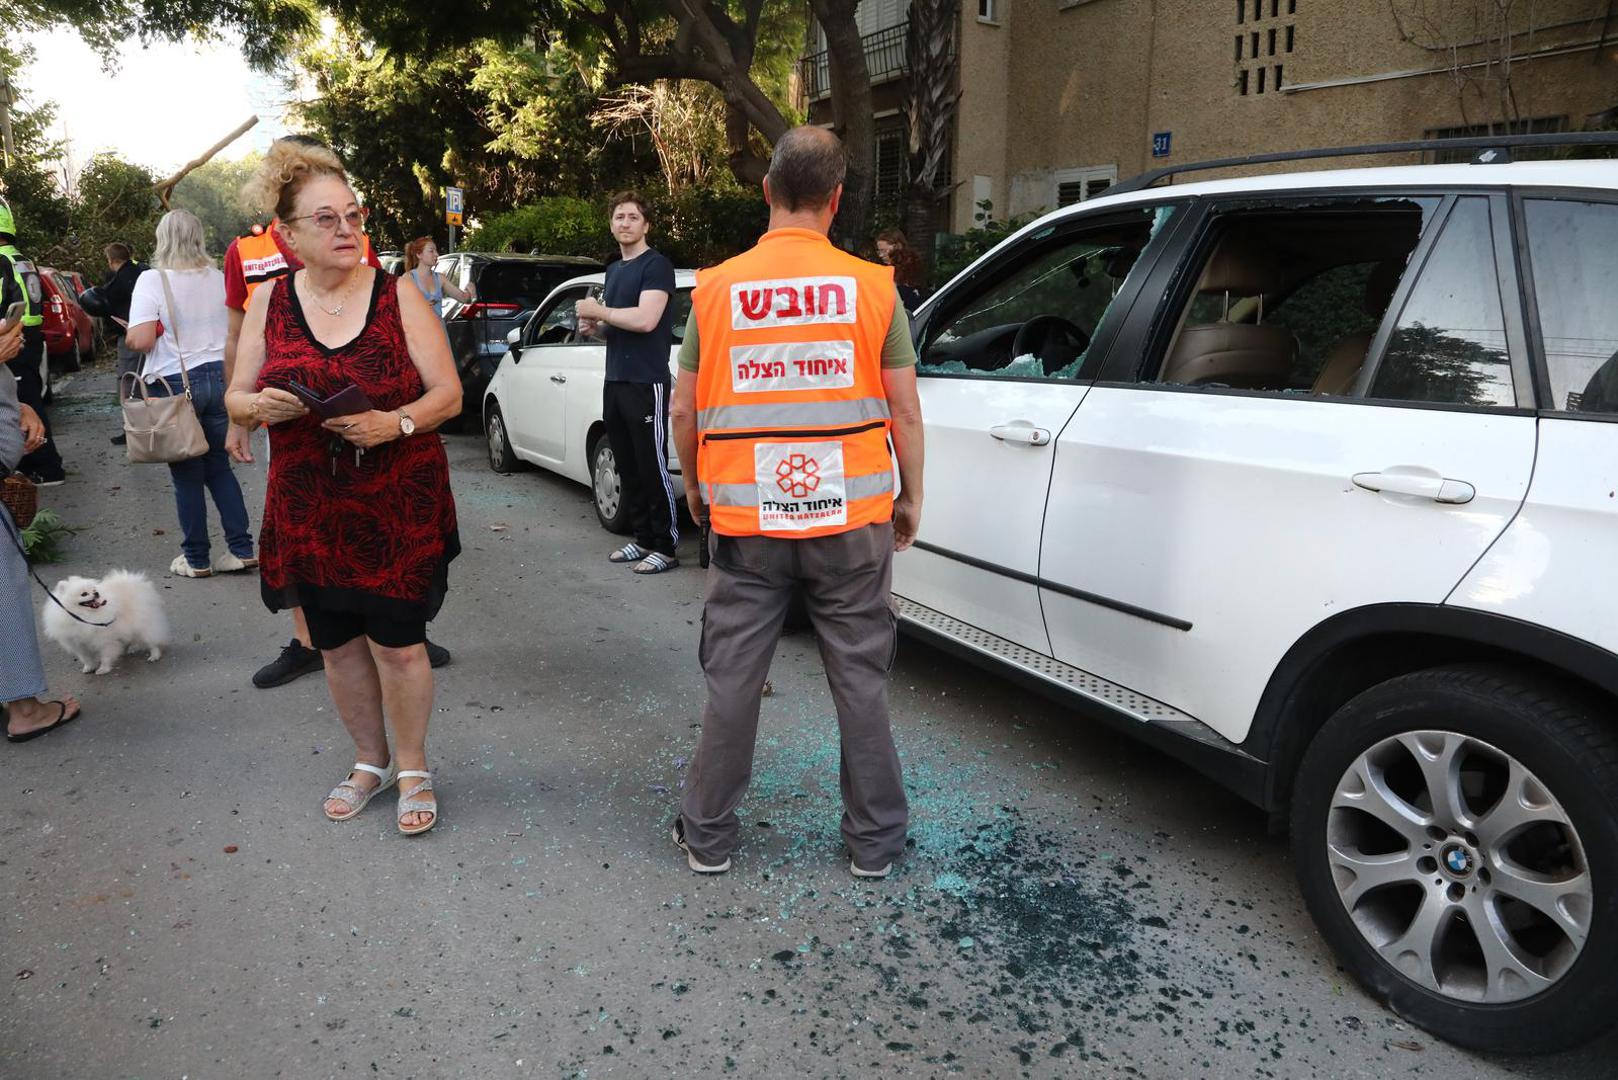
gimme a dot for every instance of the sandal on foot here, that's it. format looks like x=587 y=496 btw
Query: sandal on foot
x=180 y=568
x=656 y=563
x=627 y=554
x=62 y=717
x=410 y=804
x=355 y=797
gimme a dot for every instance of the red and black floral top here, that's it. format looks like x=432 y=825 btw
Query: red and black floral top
x=373 y=535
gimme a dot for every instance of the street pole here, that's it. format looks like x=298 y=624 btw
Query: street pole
x=452 y=239
x=5 y=118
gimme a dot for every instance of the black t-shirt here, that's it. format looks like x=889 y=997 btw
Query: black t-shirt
x=632 y=357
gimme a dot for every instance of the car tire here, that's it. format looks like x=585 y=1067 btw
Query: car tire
x=1457 y=791
x=74 y=361
x=606 y=488
x=502 y=459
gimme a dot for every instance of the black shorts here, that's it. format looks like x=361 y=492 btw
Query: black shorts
x=334 y=629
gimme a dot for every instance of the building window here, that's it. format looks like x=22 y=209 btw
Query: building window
x=1241 y=82
x=1278 y=69
x=1258 y=9
x=1272 y=41
x=1292 y=7
x=1238 y=48
x=1081 y=185
x=1537 y=126
x=1241 y=12
x=1273 y=35
x=1291 y=37
x=986 y=10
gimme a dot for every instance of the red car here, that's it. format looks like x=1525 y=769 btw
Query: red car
x=69 y=334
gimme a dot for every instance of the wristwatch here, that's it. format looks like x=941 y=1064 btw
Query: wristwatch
x=407 y=426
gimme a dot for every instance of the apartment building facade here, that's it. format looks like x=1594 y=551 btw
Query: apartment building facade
x=1061 y=98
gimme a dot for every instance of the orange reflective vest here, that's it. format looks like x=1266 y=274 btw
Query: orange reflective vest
x=262 y=259
x=792 y=419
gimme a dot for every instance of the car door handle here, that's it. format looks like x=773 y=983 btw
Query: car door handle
x=1021 y=432
x=558 y=378
x=1419 y=485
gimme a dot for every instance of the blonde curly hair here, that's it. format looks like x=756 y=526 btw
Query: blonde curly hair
x=290 y=163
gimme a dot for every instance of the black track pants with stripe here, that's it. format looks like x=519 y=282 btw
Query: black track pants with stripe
x=637 y=419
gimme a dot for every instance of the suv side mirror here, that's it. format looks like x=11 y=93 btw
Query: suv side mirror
x=513 y=336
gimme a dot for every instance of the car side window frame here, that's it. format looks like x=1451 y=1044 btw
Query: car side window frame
x=567 y=294
x=1523 y=263
x=1146 y=340
x=1509 y=288
x=1012 y=255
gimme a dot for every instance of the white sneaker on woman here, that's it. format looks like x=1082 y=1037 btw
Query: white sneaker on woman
x=184 y=569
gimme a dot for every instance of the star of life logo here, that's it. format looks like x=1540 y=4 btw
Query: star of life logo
x=799 y=475
x=800 y=485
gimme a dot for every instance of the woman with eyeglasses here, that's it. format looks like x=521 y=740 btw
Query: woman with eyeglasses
x=352 y=374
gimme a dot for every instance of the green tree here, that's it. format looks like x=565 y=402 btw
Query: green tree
x=32 y=183
x=213 y=192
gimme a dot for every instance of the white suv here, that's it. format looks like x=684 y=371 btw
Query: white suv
x=1310 y=480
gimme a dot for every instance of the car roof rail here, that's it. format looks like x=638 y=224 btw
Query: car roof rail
x=1489 y=150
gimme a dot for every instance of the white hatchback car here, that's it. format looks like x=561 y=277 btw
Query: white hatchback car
x=1309 y=480
x=543 y=405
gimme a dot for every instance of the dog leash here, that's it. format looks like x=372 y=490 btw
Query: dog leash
x=16 y=539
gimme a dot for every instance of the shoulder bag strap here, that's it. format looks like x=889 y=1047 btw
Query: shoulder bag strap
x=174 y=328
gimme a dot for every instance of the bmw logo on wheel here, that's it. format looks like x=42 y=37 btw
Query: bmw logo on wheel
x=1458 y=861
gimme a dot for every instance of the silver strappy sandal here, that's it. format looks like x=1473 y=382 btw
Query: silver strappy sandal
x=410 y=804
x=355 y=797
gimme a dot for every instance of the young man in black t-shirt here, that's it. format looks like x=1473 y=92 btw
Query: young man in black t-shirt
x=636 y=318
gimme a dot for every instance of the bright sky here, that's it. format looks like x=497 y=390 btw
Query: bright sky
x=162 y=107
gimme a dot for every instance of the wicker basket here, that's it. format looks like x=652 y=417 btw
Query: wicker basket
x=21 y=497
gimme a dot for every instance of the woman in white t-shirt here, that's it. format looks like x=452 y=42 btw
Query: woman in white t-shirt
x=195 y=330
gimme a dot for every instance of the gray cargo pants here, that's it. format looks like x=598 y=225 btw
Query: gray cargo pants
x=846 y=580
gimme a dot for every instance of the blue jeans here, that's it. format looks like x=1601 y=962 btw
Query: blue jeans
x=210 y=471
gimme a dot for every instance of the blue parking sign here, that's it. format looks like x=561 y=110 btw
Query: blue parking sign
x=1162 y=143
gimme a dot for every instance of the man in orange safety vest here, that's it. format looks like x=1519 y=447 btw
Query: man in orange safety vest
x=796 y=373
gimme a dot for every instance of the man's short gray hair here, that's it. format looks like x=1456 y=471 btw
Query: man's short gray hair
x=806 y=168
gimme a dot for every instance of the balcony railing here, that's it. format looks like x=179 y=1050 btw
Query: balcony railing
x=884 y=56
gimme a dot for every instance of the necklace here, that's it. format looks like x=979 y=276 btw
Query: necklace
x=353 y=276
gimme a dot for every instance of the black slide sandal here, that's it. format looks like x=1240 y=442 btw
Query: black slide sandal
x=62 y=719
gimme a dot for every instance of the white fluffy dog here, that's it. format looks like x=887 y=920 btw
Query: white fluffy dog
x=129 y=606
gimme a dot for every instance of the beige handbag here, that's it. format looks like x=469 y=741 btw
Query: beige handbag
x=163 y=429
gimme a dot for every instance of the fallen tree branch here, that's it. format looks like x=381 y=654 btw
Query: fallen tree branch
x=165 y=188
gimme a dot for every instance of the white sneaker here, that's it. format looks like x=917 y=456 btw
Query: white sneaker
x=858 y=871
x=181 y=568
x=233 y=564
x=677 y=834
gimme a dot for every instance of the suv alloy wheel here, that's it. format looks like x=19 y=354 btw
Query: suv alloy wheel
x=1456 y=838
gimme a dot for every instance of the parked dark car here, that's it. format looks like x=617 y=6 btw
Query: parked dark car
x=509 y=288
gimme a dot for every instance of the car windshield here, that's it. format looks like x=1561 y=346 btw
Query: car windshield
x=521 y=283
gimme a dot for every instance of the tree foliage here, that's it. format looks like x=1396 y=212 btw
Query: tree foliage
x=213 y=192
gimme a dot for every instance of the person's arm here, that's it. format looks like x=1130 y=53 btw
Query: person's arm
x=33 y=428
x=10 y=342
x=683 y=416
x=640 y=319
x=249 y=407
x=429 y=351
x=144 y=313
x=465 y=296
x=904 y=405
x=237 y=444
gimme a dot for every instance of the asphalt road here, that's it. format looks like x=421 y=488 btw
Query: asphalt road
x=1073 y=904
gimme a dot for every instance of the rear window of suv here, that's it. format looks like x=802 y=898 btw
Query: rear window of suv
x=521 y=283
x=1573 y=249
